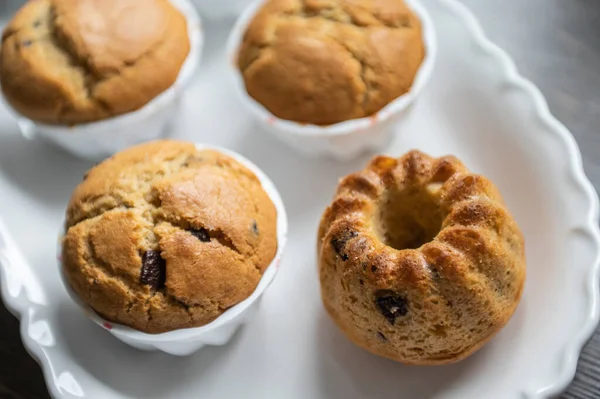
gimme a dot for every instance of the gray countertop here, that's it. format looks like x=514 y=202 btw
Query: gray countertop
x=556 y=44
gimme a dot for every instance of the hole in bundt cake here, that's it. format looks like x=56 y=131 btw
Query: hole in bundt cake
x=408 y=218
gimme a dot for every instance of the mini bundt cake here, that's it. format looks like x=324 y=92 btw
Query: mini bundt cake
x=419 y=259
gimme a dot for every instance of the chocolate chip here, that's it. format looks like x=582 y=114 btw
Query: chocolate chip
x=26 y=43
x=361 y=282
x=391 y=305
x=373 y=269
x=339 y=243
x=381 y=336
x=435 y=273
x=254 y=227
x=153 y=270
x=201 y=234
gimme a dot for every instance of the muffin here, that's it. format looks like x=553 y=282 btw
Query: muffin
x=324 y=62
x=69 y=62
x=419 y=259
x=164 y=236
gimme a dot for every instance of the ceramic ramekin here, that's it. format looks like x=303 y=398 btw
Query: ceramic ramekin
x=344 y=140
x=97 y=140
x=221 y=9
x=218 y=332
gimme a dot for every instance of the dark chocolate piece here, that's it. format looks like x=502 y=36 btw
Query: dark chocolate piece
x=339 y=243
x=391 y=305
x=201 y=234
x=154 y=270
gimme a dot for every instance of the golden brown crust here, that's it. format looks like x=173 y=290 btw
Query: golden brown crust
x=202 y=214
x=419 y=259
x=76 y=61
x=327 y=61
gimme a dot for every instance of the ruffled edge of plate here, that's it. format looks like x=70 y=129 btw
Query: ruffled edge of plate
x=26 y=300
x=568 y=355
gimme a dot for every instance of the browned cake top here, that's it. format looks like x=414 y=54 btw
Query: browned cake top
x=75 y=61
x=326 y=61
x=420 y=261
x=164 y=236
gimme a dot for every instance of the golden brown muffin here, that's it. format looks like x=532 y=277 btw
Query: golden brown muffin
x=327 y=61
x=419 y=259
x=163 y=236
x=74 y=61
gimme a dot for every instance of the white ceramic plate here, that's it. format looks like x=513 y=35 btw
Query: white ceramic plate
x=476 y=106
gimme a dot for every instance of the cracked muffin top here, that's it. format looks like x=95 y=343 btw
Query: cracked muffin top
x=68 y=62
x=327 y=61
x=164 y=236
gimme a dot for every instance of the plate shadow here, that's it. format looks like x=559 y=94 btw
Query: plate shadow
x=347 y=371
x=305 y=183
x=41 y=170
x=129 y=371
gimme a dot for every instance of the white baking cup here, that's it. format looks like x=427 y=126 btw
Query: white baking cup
x=97 y=140
x=219 y=9
x=218 y=332
x=344 y=140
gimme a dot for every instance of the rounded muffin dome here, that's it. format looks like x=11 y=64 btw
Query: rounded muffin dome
x=68 y=62
x=164 y=236
x=419 y=259
x=325 y=62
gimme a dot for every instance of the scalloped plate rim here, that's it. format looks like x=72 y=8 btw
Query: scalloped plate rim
x=570 y=353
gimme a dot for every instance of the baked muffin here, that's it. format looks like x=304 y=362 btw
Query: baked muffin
x=419 y=259
x=163 y=236
x=67 y=62
x=323 y=62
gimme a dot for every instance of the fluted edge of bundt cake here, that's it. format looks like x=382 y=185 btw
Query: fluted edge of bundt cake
x=419 y=259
